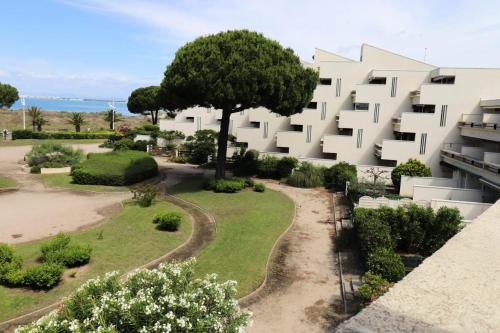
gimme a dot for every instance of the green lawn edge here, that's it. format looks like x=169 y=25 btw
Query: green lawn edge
x=64 y=180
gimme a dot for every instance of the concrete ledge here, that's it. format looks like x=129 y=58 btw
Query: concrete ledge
x=48 y=171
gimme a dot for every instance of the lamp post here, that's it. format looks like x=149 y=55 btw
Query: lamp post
x=113 y=109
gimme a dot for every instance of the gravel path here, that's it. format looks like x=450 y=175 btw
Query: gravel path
x=36 y=211
x=303 y=293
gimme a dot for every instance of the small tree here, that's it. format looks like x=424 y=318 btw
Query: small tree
x=201 y=147
x=145 y=101
x=108 y=116
x=445 y=225
x=37 y=119
x=8 y=95
x=337 y=175
x=77 y=119
x=234 y=71
x=412 y=167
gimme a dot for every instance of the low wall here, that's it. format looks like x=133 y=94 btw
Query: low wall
x=427 y=193
x=369 y=202
x=47 y=171
x=469 y=210
x=407 y=183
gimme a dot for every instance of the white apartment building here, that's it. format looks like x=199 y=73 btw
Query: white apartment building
x=381 y=110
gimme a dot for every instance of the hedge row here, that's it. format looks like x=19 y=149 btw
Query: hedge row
x=116 y=168
x=28 y=134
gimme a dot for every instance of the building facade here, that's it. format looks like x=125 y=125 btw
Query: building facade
x=380 y=110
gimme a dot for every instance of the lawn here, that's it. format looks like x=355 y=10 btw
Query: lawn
x=248 y=224
x=7 y=182
x=66 y=181
x=28 y=142
x=129 y=239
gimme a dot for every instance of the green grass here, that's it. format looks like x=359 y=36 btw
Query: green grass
x=7 y=182
x=66 y=181
x=28 y=142
x=130 y=239
x=248 y=224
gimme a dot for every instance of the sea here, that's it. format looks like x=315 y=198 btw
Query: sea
x=72 y=104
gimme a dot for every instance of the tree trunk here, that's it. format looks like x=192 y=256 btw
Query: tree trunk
x=154 y=117
x=220 y=171
x=39 y=128
x=111 y=125
x=77 y=128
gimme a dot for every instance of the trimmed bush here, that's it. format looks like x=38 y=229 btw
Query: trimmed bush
x=267 y=167
x=144 y=195
x=168 y=221
x=306 y=176
x=9 y=262
x=387 y=264
x=373 y=233
x=28 y=134
x=117 y=168
x=231 y=185
x=412 y=167
x=446 y=224
x=179 y=159
x=373 y=287
x=412 y=227
x=337 y=175
x=123 y=144
x=249 y=182
x=43 y=276
x=53 y=155
x=58 y=243
x=35 y=169
x=259 y=187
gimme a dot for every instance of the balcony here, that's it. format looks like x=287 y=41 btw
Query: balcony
x=415 y=96
x=288 y=138
x=474 y=160
x=395 y=150
x=396 y=124
x=490 y=104
x=352 y=118
x=341 y=144
x=247 y=134
x=413 y=122
x=480 y=126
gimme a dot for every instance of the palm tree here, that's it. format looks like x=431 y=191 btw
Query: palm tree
x=76 y=119
x=108 y=116
x=37 y=119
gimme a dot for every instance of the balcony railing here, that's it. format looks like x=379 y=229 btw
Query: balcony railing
x=451 y=150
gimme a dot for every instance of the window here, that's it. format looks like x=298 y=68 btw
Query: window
x=338 y=87
x=362 y=106
x=312 y=105
x=359 y=142
x=443 y=80
x=325 y=82
x=394 y=86
x=198 y=123
x=378 y=80
x=266 y=129
x=308 y=133
x=424 y=108
x=376 y=113
x=444 y=113
x=423 y=143
x=323 y=110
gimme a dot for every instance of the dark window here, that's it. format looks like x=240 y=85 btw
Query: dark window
x=424 y=108
x=312 y=105
x=297 y=128
x=378 y=80
x=325 y=81
x=345 y=131
x=361 y=106
x=443 y=80
x=404 y=136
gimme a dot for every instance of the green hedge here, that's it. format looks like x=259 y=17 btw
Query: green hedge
x=27 y=134
x=168 y=221
x=116 y=168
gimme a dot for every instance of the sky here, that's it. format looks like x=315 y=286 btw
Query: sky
x=106 y=48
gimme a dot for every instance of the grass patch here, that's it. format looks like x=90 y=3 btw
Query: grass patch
x=29 y=142
x=66 y=181
x=127 y=240
x=248 y=224
x=7 y=182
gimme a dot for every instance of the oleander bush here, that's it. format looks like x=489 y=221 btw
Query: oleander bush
x=386 y=263
x=373 y=287
x=144 y=195
x=42 y=276
x=259 y=187
x=168 y=221
x=53 y=155
x=116 y=168
x=167 y=299
x=28 y=134
x=306 y=175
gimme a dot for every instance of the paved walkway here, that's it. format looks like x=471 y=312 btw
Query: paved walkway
x=36 y=211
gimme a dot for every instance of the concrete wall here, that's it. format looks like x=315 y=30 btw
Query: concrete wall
x=407 y=183
x=468 y=210
x=423 y=192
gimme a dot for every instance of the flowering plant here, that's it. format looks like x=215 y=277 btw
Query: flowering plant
x=167 y=299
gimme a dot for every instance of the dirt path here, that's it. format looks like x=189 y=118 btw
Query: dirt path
x=36 y=211
x=303 y=293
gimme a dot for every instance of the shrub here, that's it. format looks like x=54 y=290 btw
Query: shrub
x=285 y=166
x=231 y=185
x=179 y=159
x=43 y=276
x=249 y=182
x=412 y=167
x=171 y=146
x=373 y=233
x=412 y=227
x=168 y=221
x=144 y=195
x=201 y=147
x=49 y=155
x=35 y=169
x=386 y=263
x=59 y=250
x=306 y=176
x=446 y=223
x=373 y=287
x=260 y=187
x=267 y=167
x=141 y=299
x=117 y=168
x=58 y=135
x=247 y=165
x=9 y=262
x=123 y=144
x=337 y=175
x=58 y=243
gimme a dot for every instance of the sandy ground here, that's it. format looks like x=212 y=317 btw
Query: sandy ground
x=36 y=212
x=308 y=297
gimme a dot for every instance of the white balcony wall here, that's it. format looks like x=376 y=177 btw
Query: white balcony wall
x=476 y=153
x=492 y=158
x=399 y=150
x=468 y=210
x=407 y=183
x=472 y=118
x=491 y=118
x=424 y=192
x=415 y=122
